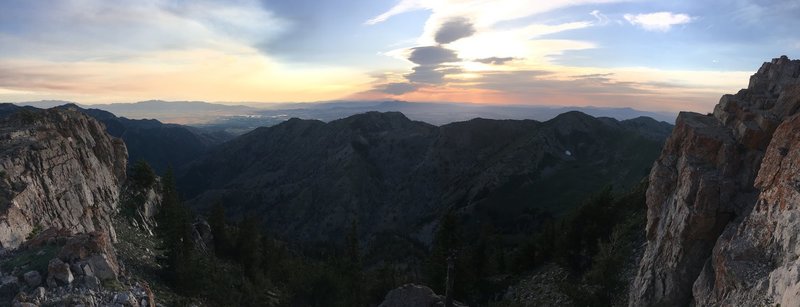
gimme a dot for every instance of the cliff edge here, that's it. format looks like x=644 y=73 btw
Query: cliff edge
x=722 y=206
x=58 y=169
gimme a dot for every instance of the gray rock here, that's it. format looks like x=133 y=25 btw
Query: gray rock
x=32 y=278
x=59 y=272
x=9 y=287
x=87 y=269
x=102 y=266
x=76 y=270
x=125 y=299
x=411 y=295
x=66 y=169
x=90 y=282
x=39 y=293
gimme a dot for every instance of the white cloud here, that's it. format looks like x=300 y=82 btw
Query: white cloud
x=490 y=36
x=661 y=21
x=602 y=19
x=402 y=7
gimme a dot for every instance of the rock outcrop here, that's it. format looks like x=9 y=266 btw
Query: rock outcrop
x=722 y=215
x=411 y=295
x=58 y=169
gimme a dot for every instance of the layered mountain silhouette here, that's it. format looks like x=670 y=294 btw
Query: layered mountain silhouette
x=307 y=179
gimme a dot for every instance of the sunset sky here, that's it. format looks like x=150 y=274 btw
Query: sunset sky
x=649 y=55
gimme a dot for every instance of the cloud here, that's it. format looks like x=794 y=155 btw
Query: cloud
x=124 y=29
x=661 y=21
x=398 y=88
x=604 y=76
x=453 y=30
x=431 y=74
x=403 y=7
x=601 y=18
x=495 y=60
x=432 y=55
x=482 y=13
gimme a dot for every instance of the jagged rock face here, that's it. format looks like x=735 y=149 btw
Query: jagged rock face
x=60 y=169
x=721 y=225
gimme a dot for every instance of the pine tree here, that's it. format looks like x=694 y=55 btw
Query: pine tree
x=142 y=175
x=219 y=230
x=352 y=267
x=444 y=243
x=175 y=231
x=248 y=251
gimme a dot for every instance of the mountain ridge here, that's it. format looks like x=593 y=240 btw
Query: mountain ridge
x=385 y=159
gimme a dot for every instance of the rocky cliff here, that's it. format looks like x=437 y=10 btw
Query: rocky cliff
x=58 y=169
x=722 y=215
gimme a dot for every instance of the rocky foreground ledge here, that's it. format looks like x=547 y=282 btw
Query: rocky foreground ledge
x=61 y=185
x=59 y=269
x=722 y=207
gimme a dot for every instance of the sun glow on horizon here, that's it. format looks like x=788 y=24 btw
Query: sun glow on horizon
x=588 y=52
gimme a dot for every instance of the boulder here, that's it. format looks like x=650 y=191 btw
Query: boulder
x=59 y=272
x=411 y=295
x=93 y=255
x=32 y=278
x=102 y=266
x=90 y=282
x=39 y=294
x=125 y=299
x=9 y=287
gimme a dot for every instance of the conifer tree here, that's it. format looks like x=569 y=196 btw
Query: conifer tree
x=142 y=175
x=174 y=230
x=248 y=247
x=444 y=243
x=219 y=230
x=352 y=267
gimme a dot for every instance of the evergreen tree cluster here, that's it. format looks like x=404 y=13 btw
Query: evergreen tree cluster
x=246 y=267
x=593 y=243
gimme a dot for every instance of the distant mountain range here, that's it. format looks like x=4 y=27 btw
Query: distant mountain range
x=177 y=112
x=238 y=119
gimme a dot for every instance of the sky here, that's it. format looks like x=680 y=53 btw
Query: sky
x=660 y=55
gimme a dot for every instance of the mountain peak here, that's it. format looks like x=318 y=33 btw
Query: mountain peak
x=722 y=196
x=573 y=115
x=774 y=76
x=376 y=121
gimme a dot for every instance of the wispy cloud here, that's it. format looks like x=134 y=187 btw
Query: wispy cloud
x=602 y=19
x=92 y=29
x=495 y=60
x=661 y=21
